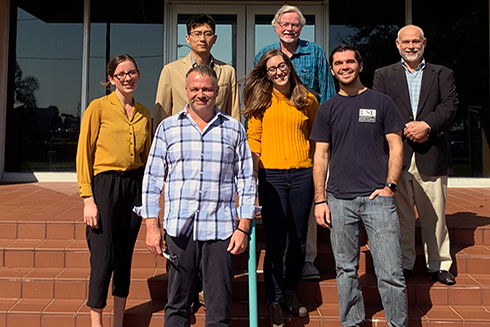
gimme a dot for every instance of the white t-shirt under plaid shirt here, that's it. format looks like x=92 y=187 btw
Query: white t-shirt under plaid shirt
x=202 y=171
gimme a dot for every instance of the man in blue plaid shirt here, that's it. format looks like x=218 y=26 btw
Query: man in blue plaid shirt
x=310 y=63
x=204 y=159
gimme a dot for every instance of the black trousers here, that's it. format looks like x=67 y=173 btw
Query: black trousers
x=111 y=245
x=218 y=268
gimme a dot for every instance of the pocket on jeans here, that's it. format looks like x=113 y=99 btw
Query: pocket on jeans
x=386 y=199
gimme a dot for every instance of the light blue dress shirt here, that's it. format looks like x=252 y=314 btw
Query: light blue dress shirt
x=202 y=170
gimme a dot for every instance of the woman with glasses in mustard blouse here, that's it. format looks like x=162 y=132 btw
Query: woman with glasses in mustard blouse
x=114 y=143
x=280 y=112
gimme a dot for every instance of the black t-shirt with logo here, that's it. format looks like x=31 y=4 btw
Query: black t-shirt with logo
x=356 y=127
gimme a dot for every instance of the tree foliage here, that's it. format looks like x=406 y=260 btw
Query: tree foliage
x=24 y=88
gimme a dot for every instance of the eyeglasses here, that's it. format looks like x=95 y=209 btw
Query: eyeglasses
x=282 y=67
x=198 y=34
x=293 y=25
x=122 y=75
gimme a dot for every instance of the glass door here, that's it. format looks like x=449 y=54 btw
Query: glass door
x=242 y=31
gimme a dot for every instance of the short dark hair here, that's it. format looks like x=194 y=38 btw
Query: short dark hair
x=343 y=48
x=199 y=20
x=203 y=70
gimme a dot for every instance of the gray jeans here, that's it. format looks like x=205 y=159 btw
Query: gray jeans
x=381 y=222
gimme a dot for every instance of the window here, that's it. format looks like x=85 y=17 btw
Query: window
x=457 y=37
x=43 y=121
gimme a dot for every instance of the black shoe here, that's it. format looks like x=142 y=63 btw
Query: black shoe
x=443 y=277
x=275 y=315
x=291 y=304
x=407 y=273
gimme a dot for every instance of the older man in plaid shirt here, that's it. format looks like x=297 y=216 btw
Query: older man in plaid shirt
x=203 y=157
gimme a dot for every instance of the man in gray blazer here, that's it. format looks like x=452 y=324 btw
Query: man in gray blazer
x=425 y=94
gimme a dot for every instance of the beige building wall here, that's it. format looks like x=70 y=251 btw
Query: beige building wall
x=4 y=41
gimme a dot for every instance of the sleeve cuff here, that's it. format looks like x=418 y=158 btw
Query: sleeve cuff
x=248 y=211
x=85 y=190
x=146 y=213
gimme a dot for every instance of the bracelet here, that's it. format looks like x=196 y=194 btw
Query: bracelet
x=320 y=202
x=256 y=170
x=241 y=230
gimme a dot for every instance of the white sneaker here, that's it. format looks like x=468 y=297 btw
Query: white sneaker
x=309 y=272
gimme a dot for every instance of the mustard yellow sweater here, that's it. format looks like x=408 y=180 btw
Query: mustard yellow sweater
x=281 y=137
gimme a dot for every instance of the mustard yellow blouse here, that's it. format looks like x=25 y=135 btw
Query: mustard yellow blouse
x=110 y=141
x=281 y=137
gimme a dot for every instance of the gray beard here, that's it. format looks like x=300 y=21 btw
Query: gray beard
x=288 y=41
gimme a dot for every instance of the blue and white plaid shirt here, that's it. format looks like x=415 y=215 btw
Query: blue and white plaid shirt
x=312 y=67
x=414 y=81
x=202 y=171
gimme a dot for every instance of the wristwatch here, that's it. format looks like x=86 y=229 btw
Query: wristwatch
x=392 y=186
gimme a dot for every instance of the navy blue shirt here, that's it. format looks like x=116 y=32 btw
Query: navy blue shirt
x=356 y=127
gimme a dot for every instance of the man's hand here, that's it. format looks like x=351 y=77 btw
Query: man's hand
x=417 y=131
x=322 y=215
x=90 y=212
x=386 y=191
x=239 y=240
x=154 y=239
x=238 y=243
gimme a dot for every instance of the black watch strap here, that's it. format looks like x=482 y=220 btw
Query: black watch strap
x=392 y=186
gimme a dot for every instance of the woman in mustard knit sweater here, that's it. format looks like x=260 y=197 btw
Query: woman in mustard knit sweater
x=280 y=112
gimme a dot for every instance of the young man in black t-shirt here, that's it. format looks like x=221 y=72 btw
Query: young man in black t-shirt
x=358 y=133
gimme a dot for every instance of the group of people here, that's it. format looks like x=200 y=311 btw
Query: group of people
x=203 y=177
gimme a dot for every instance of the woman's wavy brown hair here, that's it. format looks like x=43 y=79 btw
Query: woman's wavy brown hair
x=257 y=93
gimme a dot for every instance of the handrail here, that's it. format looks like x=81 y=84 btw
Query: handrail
x=252 y=278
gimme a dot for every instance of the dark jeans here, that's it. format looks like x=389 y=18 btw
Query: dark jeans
x=285 y=196
x=111 y=245
x=218 y=268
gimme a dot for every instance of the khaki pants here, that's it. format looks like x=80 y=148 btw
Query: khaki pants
x=428 y=195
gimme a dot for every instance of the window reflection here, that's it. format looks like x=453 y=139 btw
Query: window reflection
x=43 y=123
x=144 y=42
x=457 y=37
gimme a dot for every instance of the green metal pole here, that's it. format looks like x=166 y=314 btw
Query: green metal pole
x=252 y=278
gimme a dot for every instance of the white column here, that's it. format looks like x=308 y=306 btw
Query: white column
x=408 y=12
x=85 y=57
